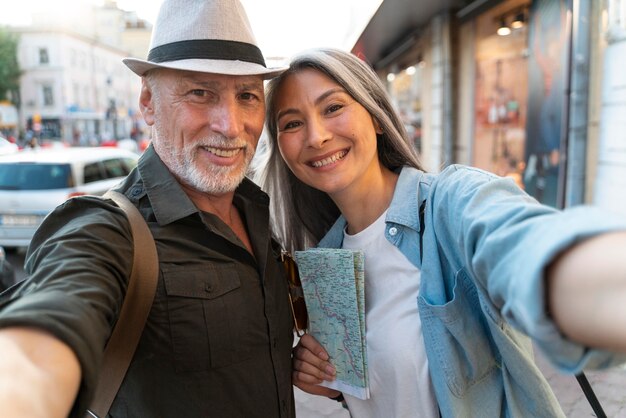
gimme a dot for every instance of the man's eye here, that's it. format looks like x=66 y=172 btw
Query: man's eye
x=199 y=92
x=248 y=96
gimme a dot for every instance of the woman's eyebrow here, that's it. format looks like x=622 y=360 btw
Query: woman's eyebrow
x=320 y=99
x=284 y=112
x=327 y=93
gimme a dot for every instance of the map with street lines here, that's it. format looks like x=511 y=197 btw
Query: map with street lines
x=333 y=283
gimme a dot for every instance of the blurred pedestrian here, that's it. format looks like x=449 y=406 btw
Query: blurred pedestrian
x=456 y=264
x=219 y=335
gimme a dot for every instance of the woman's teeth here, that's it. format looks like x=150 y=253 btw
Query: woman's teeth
x=329 y=160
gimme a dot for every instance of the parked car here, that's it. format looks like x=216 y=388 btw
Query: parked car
x=7 y=274
x=7 y=147
x=34 y=182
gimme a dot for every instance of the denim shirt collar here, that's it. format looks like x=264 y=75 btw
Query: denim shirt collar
x=406 y=201
x=403 y=210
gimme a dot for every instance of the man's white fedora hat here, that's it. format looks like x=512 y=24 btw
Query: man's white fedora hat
x=209 y=36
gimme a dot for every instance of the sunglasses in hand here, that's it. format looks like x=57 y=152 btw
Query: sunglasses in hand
x=296 y=296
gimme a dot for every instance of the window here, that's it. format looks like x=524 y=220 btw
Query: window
x=86 y=97
x=76 y=94
x=43 y=56
x=93 y=173
x=48 y=97
x=129 y=164
x=33 y=176
x=114 y=168
x=118 y=167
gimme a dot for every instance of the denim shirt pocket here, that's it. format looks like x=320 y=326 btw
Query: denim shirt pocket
x=458 y=336
x=200 y=332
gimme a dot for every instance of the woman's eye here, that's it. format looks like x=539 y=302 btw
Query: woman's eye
x=290 y=125
x=333 y=108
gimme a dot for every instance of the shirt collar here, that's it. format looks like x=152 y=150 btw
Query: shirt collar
x=168 y=199
x=410 y=193
x=407 y=198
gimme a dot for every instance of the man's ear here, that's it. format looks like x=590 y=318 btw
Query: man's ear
x=146 y=104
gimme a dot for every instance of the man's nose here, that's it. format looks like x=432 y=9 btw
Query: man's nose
x=227 y=119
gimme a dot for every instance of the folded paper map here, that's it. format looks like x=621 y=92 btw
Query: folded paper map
x=333 y=283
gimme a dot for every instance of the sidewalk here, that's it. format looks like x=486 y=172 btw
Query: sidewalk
x=310 y=406
x=609 y=386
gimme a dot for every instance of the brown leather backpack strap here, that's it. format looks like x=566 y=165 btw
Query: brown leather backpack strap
x=142 y=284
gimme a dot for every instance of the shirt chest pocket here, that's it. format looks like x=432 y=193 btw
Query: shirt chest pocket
x=198 y=301
x=460 y=337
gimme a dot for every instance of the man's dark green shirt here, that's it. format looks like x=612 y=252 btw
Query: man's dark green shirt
x=218 y=339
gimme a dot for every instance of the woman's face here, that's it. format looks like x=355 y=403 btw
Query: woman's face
x=327 y=139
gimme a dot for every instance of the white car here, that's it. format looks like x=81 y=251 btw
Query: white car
x=7 y=147
x=7 y=273
x=34 y=182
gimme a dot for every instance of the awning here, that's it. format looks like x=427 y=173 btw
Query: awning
x=397 y=24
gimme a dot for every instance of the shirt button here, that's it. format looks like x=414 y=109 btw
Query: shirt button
x=393 y=231
x=208 y=288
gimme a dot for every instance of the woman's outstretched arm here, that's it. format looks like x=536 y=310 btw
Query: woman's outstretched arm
x=587 y=292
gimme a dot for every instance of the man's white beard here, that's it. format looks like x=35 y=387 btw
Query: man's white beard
x=211 y=179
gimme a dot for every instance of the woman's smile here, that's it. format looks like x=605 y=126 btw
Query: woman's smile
x=327 y=160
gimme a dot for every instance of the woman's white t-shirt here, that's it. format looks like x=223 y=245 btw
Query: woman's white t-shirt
x=399 y=382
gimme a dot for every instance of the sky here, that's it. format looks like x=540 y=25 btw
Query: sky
x=281 y=27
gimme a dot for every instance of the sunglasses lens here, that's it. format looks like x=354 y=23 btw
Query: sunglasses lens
x=296 y=296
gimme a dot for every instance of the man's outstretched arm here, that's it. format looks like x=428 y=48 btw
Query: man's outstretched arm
x=39 y=374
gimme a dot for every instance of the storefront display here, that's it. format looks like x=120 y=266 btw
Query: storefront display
x=501 y=90
x=520 y=94
x=405 y=90
x=547 y=71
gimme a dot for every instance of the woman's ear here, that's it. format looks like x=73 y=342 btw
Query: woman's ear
x=377 y=126
x=146 y=104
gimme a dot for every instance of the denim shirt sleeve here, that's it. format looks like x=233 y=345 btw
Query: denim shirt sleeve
x=504 y=240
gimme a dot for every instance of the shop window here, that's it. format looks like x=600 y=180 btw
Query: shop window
x=547 y=110
x=405 y=90
x=501 y=92
x=519 y=90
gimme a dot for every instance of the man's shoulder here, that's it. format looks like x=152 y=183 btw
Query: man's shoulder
x=79 y=216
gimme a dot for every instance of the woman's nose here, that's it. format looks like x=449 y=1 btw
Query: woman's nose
x=317 y=134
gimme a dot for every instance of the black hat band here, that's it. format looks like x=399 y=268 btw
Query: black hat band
x=215 y=49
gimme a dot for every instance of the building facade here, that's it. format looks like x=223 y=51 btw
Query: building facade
x=511 y=86
x=74 y=86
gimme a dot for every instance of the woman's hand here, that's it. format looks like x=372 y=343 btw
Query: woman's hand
x=311 y=367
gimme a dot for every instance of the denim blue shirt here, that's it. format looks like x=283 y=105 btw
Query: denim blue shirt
x=482 y=251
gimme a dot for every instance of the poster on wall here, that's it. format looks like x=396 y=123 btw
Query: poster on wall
x=547 y=79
